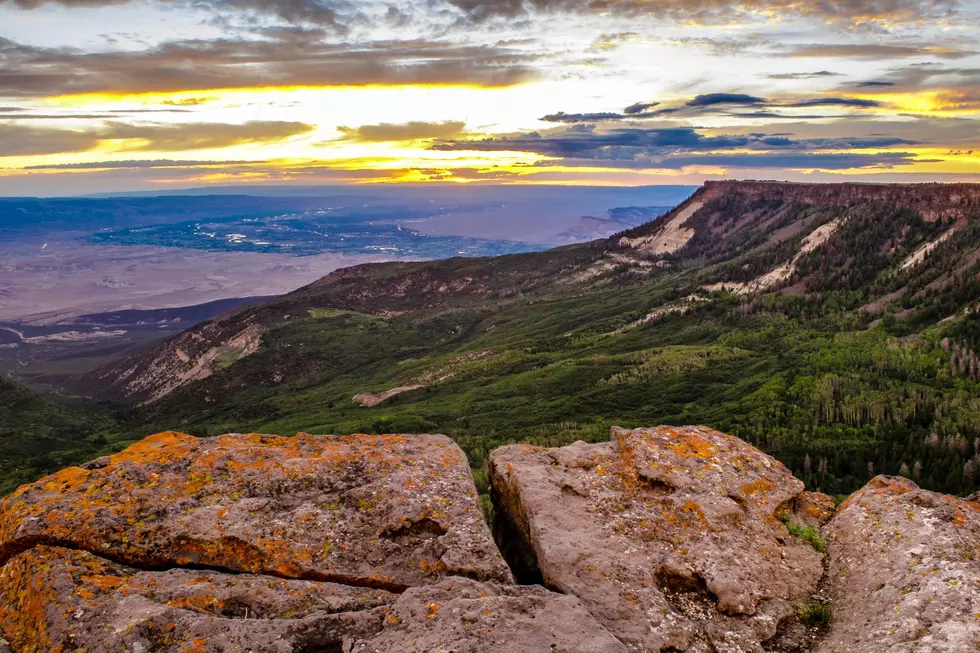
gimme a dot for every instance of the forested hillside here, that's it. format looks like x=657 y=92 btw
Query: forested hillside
x=834 y=326
x=39 y=436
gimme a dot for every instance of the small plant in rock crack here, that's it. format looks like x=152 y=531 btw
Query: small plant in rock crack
x=805 y=533
x=814 y=613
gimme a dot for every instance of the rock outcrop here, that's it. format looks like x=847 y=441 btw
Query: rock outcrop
x=247 y=542
x=660 y=540
x=388 y=511
x=51 y=597
x=904 y=571
x=671 y=537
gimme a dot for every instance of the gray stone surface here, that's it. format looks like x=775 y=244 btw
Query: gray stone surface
x=670 y=537
x=904 y=571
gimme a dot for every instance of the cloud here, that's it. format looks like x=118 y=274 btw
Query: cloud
x=814 y=75
x=848 y=13
x=725 y=104
x=639 y=107
x=340 y=14
x=561 y=116
x=330 y=13
x=714 y=99
x=159 y=163
x=582 y=141
x=875 y=51
x=650 y=148
x=791 y=161
x=19 y=140
x=409 y=131
x=610 y=42
x=836 y=102
x=200 y=135
x=873 y=84
x=285 y=58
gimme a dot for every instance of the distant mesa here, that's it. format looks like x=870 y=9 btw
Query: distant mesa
x=682 y=539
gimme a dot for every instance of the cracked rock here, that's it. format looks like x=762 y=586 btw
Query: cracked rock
x=670 y=537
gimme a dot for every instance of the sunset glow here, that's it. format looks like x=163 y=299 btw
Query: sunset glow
x=454 y=91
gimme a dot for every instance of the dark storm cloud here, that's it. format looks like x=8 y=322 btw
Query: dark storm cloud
x=873 y=84
x=850 y=13
x=290 y=58
x=19 y=140
x=410 y=131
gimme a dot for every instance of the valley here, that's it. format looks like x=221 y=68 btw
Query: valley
x=845 y=363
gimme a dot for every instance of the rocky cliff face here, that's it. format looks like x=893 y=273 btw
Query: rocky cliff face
x=665 y=539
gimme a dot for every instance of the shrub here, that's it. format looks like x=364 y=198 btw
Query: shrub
x=806 y=533
x=814 y=613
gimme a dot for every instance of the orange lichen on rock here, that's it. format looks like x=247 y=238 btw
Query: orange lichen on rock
x=309 y=507
x=905 y=566
x=626 y=524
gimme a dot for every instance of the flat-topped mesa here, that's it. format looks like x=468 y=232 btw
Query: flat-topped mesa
x=384 y=511
x=933 y=201
x=904 y=571
x=672 y=538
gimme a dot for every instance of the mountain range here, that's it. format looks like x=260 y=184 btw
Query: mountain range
x=832 y=325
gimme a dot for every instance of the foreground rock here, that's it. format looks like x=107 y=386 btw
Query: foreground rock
x=905 y=571
x=388 y=511
x=337 y=544
x=59 y=599
x=670 y=537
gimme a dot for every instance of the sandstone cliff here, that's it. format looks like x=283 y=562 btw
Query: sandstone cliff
x=664 y=539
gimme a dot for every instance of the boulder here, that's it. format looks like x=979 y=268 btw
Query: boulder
x=904 y=571
x=60 y=599
x=382 y=511
x=313 y=544
x=671 y=538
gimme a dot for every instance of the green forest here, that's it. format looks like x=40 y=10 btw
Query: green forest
x=856 y=365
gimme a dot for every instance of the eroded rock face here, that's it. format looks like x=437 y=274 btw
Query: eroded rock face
x=670 y=537
x=905 y=571
x=388 y=511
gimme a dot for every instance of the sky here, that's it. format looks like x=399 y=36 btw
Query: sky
x=116 y=95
